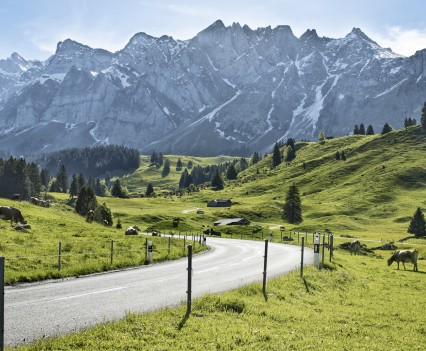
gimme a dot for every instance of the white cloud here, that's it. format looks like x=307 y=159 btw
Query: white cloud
x=402 y=41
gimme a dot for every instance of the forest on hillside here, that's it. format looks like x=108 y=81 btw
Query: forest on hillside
x=92 y=161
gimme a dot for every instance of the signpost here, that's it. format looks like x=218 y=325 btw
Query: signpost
x=316 y=249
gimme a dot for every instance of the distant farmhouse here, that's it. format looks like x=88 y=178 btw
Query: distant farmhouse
x=232 y=221
x=220 y=203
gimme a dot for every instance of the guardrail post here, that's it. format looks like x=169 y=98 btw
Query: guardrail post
x=323 y=248
x=2 y=303
x=59 y=255
x=189 y=291
x=265 y=264
x=169 y=245
x=112 y=251
x=331 y=246
x=301 y=256
x=146 y=249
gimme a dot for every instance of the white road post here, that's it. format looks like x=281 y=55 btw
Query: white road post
x=316 y=250
x=150 y=251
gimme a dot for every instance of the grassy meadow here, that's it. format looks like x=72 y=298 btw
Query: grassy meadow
x=357 y=302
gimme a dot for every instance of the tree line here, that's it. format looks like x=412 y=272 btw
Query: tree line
x=92 y=161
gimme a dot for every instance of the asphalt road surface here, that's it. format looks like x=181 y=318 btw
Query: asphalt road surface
x=46 y=309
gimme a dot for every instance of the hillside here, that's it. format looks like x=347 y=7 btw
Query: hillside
x=372 y=194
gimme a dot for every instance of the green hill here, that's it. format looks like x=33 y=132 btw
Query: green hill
x=372 y=194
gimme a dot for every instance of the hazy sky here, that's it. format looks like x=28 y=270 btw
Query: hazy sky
x=33 y=27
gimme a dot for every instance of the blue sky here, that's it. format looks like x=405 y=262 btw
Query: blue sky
x=33 y=27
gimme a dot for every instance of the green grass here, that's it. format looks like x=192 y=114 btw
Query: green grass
x=357 y=303
x=86 y=247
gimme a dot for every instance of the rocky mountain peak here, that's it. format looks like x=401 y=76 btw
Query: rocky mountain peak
x=230 y=90
x=357 y=33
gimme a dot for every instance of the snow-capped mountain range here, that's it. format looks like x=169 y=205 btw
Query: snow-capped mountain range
x=228 y=90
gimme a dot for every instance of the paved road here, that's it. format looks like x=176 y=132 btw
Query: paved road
x=46 y=309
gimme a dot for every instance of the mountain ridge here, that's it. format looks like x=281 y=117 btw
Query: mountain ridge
x=229 y=89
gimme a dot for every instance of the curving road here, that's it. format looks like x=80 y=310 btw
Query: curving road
x=47 y=309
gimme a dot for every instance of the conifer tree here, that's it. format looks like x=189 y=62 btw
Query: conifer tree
x=321 y=138
x=149 y=190
x=190 y=164
x=418 y=224
x=103 y=215
x=99 y=188
x=356 y=129
x=81 y=182
x=370 y=130
x=54 y=186
x=293 y=206
x=338 y=155
x=166 y=168
x=35 y=179
x=254 y=158
x=86 y=201
x=45 y=178
x=62 y=179
x=343 y=156
x=387 y=128
x=276 y=156
x=361 y=129
x=290 y=154
x=231 y=172
x=217 y=181
x=179 y=165
x=74 y=186
x=117 y=190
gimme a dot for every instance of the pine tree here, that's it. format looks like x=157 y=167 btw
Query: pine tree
x=74 y=186
x=45 y=178
x=62 y=179
x=86 y=201
x=99 y=188
x=254 y=158
x=149 y=190
x=343 y=156
x=54 y=186
x=290 y=154
x=356 y=129
x=387 y=128
x=179 y=165
x=370 y=130
x=321 y=138
x=35 y=179
x=103 y=215
x=293 y=206
x=276 y=156
x=361 y=129
x=190 y=164
x=81 y=182
x=418 y=224
x=217 y=181
x=338 y=155
x=117 y=190
x=231 y=173
x=166 y=168
x=423 y=118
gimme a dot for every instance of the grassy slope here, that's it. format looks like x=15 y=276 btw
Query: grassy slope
x=359 y=304
x=85 y=246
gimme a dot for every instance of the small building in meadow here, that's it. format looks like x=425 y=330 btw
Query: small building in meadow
x=220 y=203
x=232 y=221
